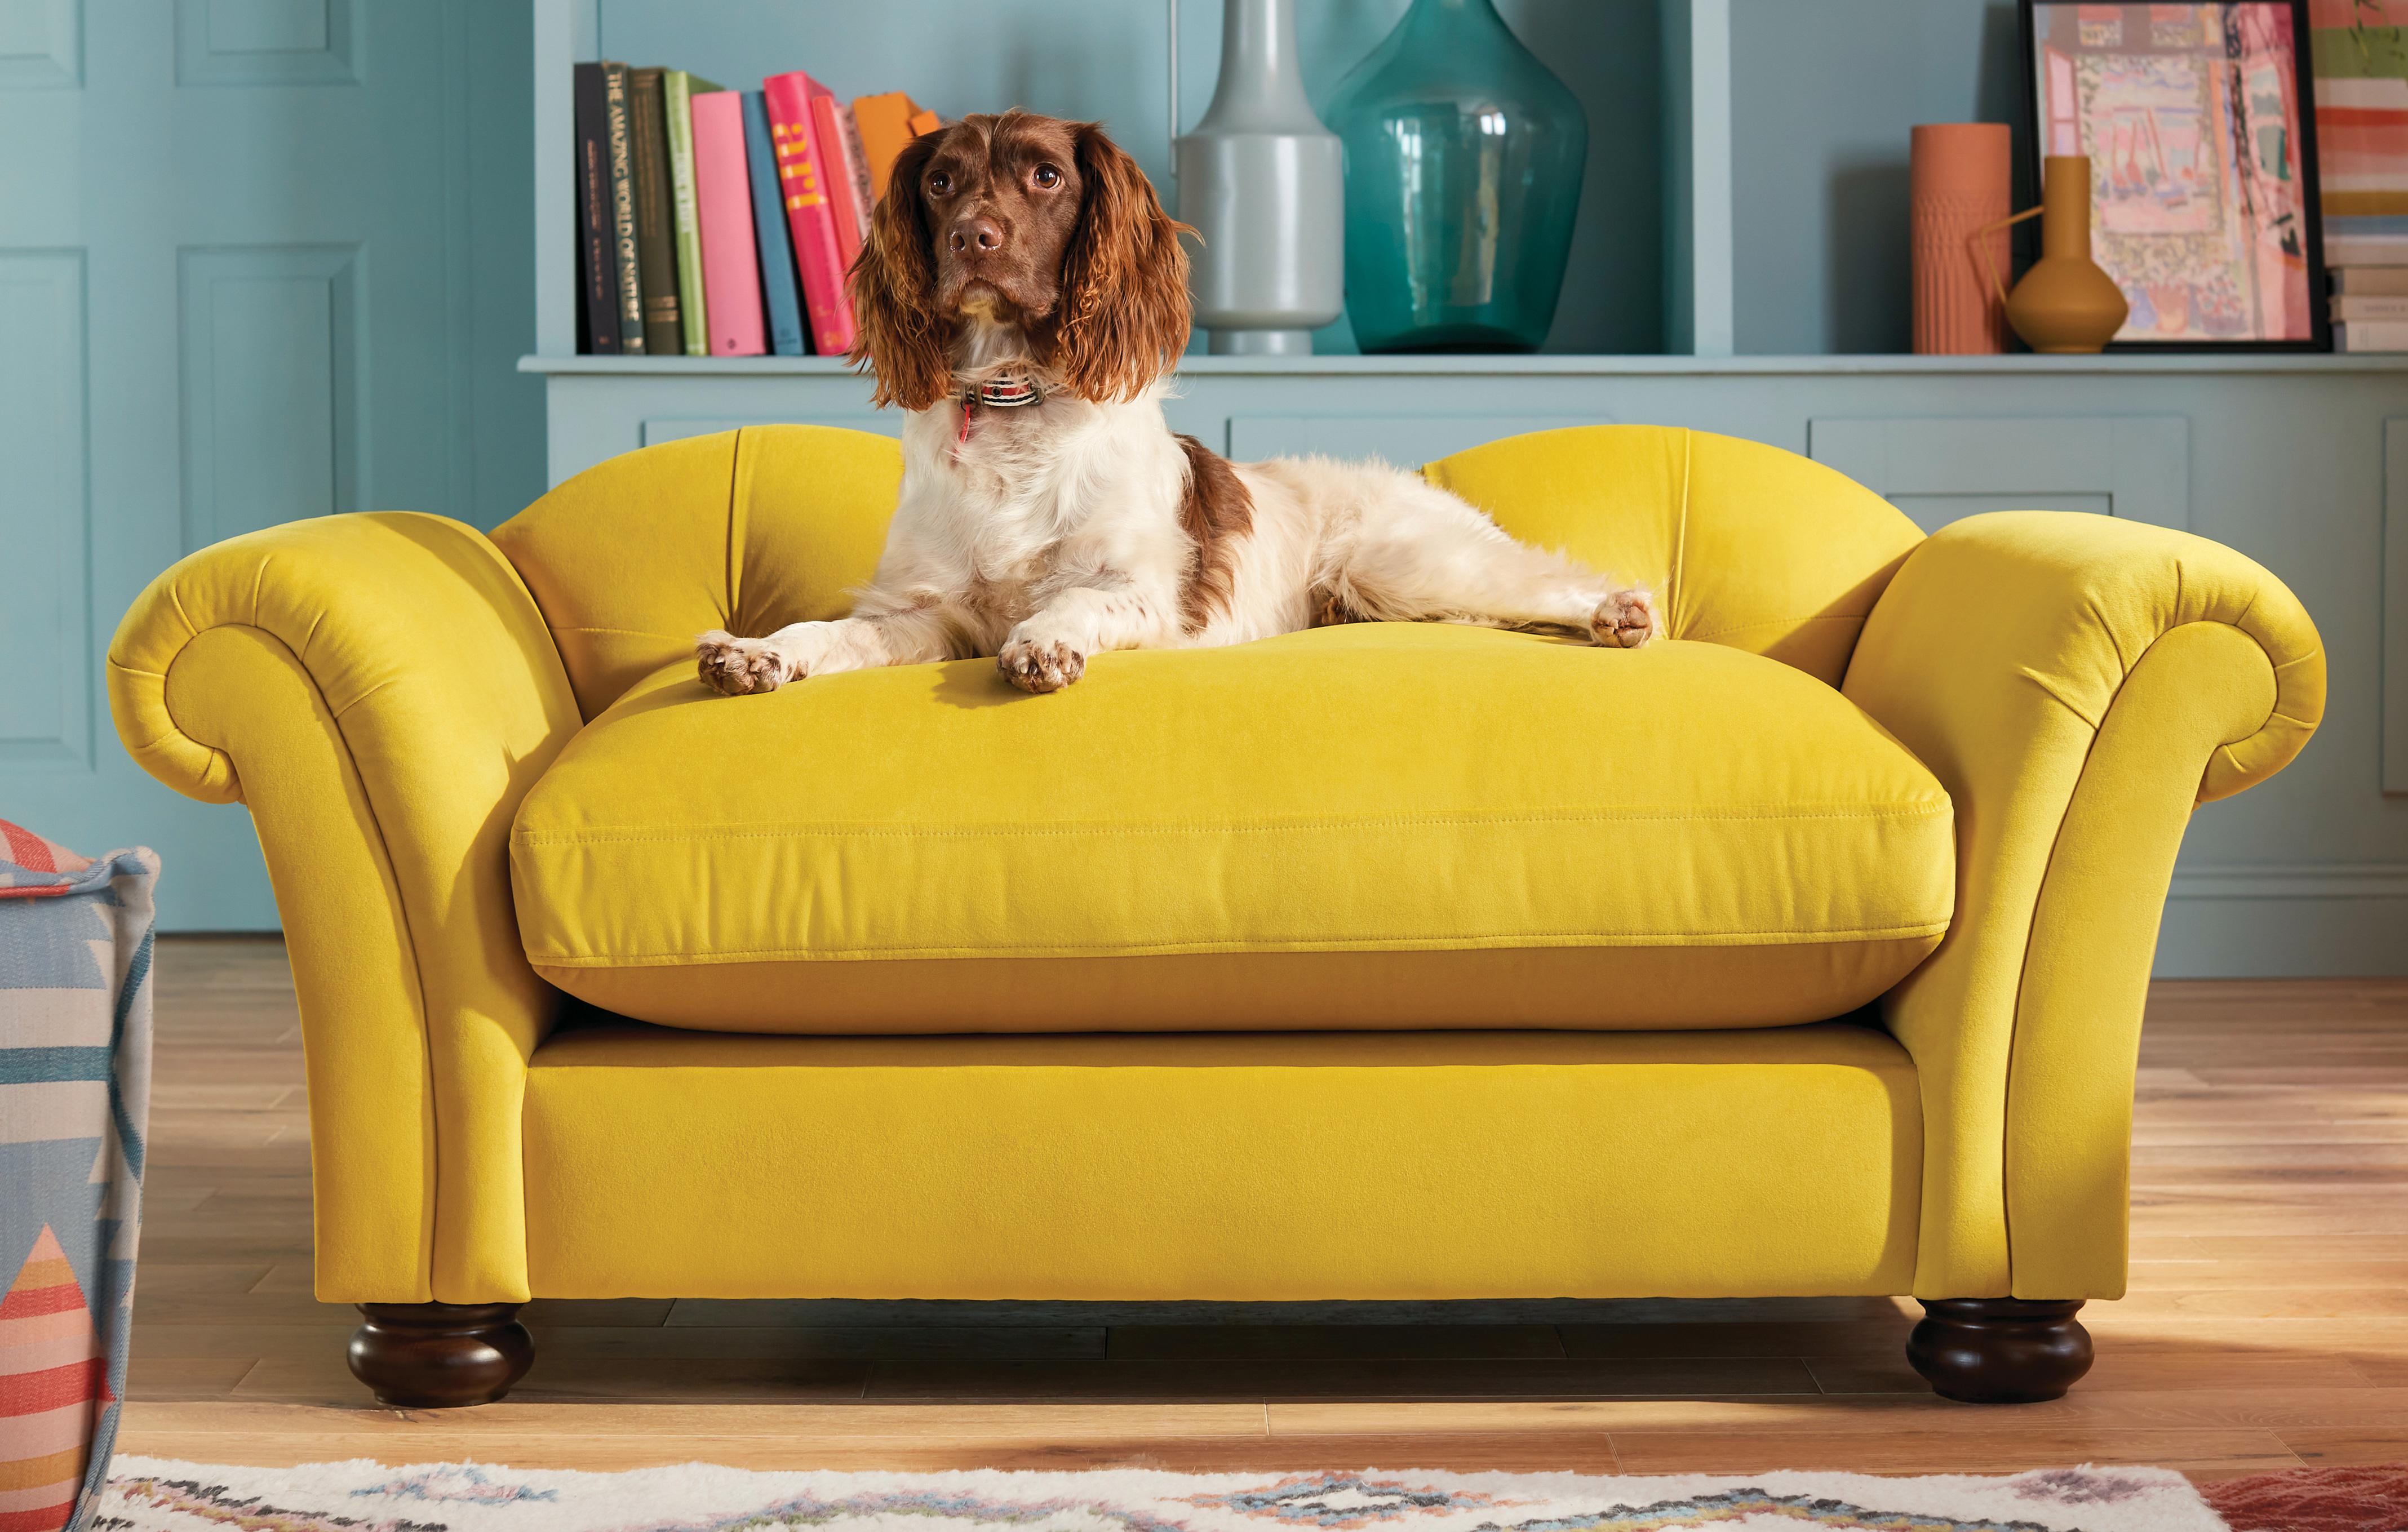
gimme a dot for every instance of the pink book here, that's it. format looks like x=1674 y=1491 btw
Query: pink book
x=804 y=178
x=722 y=195
x=848 y=175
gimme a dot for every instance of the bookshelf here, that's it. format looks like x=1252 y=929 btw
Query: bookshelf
x=1747 y=185
x=1647 y=255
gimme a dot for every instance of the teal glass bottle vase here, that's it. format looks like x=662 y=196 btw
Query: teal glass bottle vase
x=1463 y=156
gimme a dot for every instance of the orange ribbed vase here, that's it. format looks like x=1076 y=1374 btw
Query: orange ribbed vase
x=1961 y=180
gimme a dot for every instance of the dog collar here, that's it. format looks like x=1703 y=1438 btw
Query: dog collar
x=997 y=392
x=1004 y=393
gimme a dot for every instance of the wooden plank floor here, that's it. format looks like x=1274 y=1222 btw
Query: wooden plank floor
x=2267 y=1327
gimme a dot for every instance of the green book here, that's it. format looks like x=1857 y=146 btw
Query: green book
x=678 y=91
x=656 y=260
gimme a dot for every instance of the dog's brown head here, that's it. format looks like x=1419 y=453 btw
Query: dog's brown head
x=1042 y=224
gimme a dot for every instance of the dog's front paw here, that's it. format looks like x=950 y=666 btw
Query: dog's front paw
x=1040 y=665
x=735 y=668
x=1625 y=620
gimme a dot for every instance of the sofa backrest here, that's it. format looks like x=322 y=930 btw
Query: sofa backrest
x=750 y=530
x=1746 y=544
x=747 y=530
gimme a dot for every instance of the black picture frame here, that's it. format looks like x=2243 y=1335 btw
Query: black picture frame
x=2033 y=147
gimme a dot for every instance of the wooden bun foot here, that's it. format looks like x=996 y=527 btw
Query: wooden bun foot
x=439 y=1356
x=1999 y=1351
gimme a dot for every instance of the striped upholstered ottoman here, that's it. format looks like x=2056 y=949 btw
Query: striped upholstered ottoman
x=75 y=1089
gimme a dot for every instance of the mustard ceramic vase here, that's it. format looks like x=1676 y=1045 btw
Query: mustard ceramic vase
x=2065 y=302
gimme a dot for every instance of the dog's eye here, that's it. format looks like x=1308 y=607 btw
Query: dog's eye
x=1047 y=176
x=941 y=185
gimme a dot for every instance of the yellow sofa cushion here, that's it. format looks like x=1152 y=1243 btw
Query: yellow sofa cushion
x=1369 y=825
x=1442 y=1164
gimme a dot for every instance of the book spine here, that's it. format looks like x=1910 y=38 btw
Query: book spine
x=2393 y=306
x=623 y=209
x=810 y=216
x=2368 y=250
x=2375 y=335
x=598 y=266
x=655 y=229
x=779 y=295
x=694 y=305
x=848 y=188
x=2372 y=281
x=723 y=197
x=857 y=165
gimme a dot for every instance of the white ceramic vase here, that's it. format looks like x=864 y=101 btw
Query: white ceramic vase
x=1264 y=184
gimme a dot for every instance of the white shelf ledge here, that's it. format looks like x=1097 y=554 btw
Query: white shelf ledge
x=2114 y=364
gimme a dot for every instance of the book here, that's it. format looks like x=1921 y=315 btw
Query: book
x=723 y=200
x=2373 y=281
x=848 y=182
x=780 y=299
x=656 y=225
x=620 y=123
x=811 y=217
x=2367 y=249
x=2358 y=52
x=2372 y=335
x=678 y=91
x=886 y=125
x=2360 y=306
x=597 y=265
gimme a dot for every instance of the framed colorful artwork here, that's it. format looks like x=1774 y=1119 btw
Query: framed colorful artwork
x=2202 y=137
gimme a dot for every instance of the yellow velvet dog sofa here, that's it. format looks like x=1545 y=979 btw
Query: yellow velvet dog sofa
x=1801 y=953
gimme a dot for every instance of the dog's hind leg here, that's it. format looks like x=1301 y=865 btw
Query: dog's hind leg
x=1417 y=554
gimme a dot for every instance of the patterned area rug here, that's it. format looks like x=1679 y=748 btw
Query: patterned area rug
x=2373 y=1498
x=147 y=1494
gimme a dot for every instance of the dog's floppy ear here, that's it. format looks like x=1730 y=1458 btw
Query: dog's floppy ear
x=1123 y=280
x=898 y=331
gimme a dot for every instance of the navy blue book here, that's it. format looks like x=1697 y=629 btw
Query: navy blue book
x=778 y=294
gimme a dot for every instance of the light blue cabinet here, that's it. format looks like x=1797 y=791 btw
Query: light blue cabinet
x=1938 y=467
x=253 y=254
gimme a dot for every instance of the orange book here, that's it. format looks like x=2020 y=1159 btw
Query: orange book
x=886 y=123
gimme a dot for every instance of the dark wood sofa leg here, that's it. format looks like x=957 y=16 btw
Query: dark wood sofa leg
x=436 y=1356
x=1999 y=1351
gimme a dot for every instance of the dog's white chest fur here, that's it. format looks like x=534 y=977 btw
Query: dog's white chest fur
x=1027 y=500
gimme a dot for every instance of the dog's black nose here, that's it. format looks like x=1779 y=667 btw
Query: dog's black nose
x=984 y=232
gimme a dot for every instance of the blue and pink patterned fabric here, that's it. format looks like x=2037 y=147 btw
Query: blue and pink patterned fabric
x=75 y=1098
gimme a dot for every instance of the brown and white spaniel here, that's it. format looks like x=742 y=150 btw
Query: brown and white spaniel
x=1022 y=295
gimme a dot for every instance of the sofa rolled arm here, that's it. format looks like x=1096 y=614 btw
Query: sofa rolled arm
x=2078 y=684
x=382 y=691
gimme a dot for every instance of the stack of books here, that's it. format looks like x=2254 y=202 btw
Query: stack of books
x=2370 y=306
x=717 y=222
x=2360 y=53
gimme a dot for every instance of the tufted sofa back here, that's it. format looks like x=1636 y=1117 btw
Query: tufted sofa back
x=749 y=530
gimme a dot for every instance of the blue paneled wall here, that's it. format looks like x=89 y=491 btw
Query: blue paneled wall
x=260 y=259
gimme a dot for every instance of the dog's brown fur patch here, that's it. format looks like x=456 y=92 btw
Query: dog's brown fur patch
x=1215 y=511
x=1331 y=609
